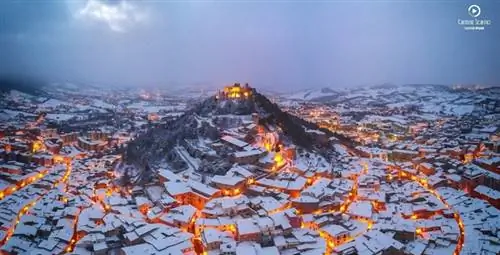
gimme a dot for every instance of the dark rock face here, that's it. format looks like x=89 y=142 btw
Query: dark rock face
x=292 y=126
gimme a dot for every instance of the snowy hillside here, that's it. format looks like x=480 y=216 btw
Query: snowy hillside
x=432 y=99
x=311 y=94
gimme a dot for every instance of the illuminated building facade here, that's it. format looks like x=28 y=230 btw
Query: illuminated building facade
x=236 y=91
x=69 y=138
x=91 y=145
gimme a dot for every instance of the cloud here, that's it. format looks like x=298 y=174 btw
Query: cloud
x=119 y=16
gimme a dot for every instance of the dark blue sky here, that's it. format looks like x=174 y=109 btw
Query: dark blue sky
x=287 y=44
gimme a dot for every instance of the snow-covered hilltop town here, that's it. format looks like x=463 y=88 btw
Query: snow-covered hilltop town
x=381 y=170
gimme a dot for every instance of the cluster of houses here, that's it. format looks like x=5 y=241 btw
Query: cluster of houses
x=405 y=188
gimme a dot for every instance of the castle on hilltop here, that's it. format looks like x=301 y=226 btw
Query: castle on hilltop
x=235 y=91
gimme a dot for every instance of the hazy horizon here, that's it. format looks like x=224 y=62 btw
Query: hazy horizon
x=288 y=45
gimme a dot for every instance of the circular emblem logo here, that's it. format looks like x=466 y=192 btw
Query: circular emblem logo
x=474 y=10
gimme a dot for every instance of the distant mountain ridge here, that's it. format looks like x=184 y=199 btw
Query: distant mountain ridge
x=311 y=94
x=26 y=85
